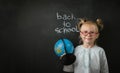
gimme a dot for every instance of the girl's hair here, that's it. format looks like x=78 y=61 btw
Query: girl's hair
x=98 y=22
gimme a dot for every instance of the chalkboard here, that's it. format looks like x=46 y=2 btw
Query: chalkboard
x=30 y=28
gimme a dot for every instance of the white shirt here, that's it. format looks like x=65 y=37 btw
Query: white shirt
x=88 y=60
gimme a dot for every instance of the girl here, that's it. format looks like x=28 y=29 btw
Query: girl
x=90 y=58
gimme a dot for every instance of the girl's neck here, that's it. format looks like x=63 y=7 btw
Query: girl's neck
x=88 y=45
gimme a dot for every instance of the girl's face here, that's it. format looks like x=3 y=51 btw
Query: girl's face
x=89 y=33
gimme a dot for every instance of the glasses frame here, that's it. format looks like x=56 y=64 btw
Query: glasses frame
x=85 y=33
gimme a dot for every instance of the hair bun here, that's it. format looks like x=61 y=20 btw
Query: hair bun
x=99 y=23
x=81 y=21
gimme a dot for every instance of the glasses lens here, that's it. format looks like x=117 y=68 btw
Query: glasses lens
x=86 y=33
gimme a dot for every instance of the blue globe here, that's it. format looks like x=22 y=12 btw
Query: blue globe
x=63 y=46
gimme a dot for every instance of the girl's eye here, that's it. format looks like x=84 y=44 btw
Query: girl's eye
x=85 y=32
x=92 y=32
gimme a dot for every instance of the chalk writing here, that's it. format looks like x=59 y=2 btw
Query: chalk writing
x=65 y=16
x=67 y=22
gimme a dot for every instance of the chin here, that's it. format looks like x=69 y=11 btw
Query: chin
x=89 y=42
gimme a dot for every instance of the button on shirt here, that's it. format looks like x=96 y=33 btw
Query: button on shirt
x=88 y=60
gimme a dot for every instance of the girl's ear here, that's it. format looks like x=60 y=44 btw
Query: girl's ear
x=80 y=34
x=97 y=35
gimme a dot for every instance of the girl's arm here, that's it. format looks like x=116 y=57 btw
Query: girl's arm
x=103 y=63
x=68 y=68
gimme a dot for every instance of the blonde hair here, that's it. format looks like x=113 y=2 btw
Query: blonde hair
x=98 y=23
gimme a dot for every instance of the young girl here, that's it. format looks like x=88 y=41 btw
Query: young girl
x=90 y=58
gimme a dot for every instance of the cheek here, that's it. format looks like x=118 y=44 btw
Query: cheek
x=81 y=36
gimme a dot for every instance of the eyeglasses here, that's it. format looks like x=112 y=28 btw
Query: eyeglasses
x=85 y=33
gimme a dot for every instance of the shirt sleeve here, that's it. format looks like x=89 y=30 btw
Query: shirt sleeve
x=104 y=63
x=68 y=68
